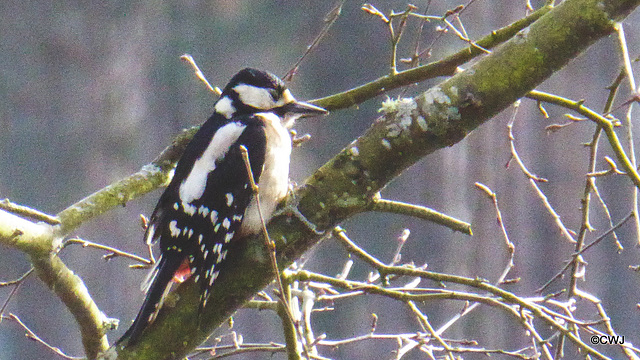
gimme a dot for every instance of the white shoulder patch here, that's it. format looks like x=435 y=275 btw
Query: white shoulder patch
x=225 y=107
x=192 y=187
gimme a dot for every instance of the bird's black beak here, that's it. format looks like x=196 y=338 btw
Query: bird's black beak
x=303 y=109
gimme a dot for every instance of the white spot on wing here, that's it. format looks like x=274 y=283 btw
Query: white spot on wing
x=173 y=227
x=225 y=107
x=229 y=199
x=192 y=187
x=203 y=210
x=214 y=217
x=189 y=209
x=226 y=223
x=228 y=237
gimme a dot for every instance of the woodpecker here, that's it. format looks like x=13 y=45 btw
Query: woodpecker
x=209 y=202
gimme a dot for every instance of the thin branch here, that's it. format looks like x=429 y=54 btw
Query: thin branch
x=244 y=349
x=385 y=270
x=628 y=120
x=508 y=244
x=514 y=153
x=290 y=330
x=17 y=283
x=28 y=212
x=606 y=124
x=415 y=57
x=446 y=66
x=534 y=180
x=594 y=242
x=112 y=251
x=199 y=74
x=463 y=34
x=40 y=241
x=424 y=322
x=610 y=231
x=271 y=248
x=329 y=19
x=31 y=335
x=421 y=212
x=397 y=255
x=510 y=263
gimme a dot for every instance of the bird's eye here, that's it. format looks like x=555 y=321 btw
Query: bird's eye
x=275 y=95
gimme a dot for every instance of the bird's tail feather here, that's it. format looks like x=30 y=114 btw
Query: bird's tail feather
x=157 y=285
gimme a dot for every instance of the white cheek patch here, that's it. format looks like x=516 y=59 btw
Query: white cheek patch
x=225 y=107
x=192 y=187
x=257 y=97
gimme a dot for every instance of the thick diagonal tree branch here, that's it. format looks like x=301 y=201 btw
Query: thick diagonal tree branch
x=409 y=130
x=40 y=241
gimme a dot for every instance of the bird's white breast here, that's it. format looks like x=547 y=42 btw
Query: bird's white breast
x=274 y=180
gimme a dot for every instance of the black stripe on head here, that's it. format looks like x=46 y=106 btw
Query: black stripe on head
x=257 y=78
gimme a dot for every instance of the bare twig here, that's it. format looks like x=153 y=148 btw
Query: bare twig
x=244 y=348
x=509 y=245
x=330 y=19
x=628 y=120
x=421 y=212
x=534 y=179
x=606 y=124
x=18 y=282
x=112 y=252
x=514 y=153
x=271 y=246
x=594 y=242
x=28 y=212
x=447 y=66
x=189 y=59
x=31 y=335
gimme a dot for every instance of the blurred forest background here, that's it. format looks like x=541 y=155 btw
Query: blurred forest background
x=92 y=92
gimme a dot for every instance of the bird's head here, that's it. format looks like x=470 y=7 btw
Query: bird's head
x=253 y=91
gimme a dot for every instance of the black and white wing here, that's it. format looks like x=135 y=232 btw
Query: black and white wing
x=201 y=211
